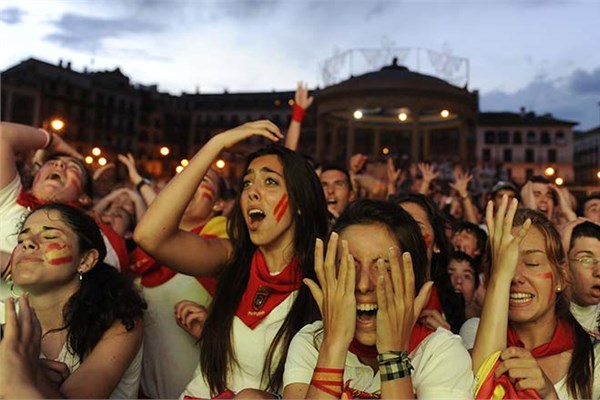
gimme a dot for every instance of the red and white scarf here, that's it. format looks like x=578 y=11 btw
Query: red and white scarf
x=265 y=291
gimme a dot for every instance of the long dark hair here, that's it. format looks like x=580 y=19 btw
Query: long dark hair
x=309 y=210
x=399 y=224
x=581 y=369
x=105 y=295
x=453 y=304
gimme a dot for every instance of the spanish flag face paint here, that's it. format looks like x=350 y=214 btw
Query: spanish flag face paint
x=46 y=251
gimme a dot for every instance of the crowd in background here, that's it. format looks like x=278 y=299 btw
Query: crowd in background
x=300 y=280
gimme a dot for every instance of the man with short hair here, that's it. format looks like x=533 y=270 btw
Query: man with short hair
x=337 y=188
x=590 y=207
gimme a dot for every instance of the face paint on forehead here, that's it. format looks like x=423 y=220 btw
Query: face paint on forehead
x=281 y=207
x=58 y=253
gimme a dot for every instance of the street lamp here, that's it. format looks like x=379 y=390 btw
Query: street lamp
x=357 y=114
x=559 y=181
x=89 y=160
x=165 y=151
x=96 y=151
x=220 y=164
x=102 y=161
x=549 y=171
x=57 y=124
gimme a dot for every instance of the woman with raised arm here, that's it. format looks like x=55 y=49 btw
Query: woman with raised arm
x=260 y=302
x=528 y=345
x=90 y=314
x=369 y=343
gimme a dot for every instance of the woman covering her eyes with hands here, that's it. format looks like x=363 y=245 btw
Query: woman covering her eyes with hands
x=528 y=345
x=369 y=343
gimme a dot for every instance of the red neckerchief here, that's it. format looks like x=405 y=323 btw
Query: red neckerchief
x=434 y=302
x=265 y=291
x=154 y=274
x=418 y=334
x=117 y=242
x=27 y=199
x=562 y=340
x=226 y=394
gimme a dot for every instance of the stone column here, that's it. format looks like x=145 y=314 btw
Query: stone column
x=415 y=143
x=350 y=140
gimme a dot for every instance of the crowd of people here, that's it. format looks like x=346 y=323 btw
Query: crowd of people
x=301 y=280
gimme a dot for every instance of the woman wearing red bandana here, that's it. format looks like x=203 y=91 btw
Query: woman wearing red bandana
x=260 y=302
x=369 y=343
x=528 y=344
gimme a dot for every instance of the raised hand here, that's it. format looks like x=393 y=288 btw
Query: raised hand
x=393 y=175
x=527 y=196
x=263 y=128
x=433 y=319
x=398 y=309
x=129 y=162
x=357 y=161
x=461 y=183
x=525 y=372
x=335 y=295
x=58 y=145
x=504 y=246
x=301 y=97
x=100 y=171
x=428 y=171
x=20 y=351
x=564 y=202
x=190 y=316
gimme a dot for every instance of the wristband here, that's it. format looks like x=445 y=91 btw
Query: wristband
x=394 y=365
x=464 y=196
x=298 y=113
x=141 y=183
x=49 y=138
x=328 y=380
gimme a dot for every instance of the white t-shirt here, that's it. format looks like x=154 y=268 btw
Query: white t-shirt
x=442 y=366
x=170 y=353
x=250 y=347
x=589 y=318
x=468 y=331
x=11 y=215
x=129 y=384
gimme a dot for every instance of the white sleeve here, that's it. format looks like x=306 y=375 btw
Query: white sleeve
x=468 y=331
x=442 y=368
x=302 y=356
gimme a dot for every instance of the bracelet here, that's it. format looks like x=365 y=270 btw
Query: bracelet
x=328 y=380
x=298 y=113
x=142 y=182
x=464 y=196
x=394 y=365
x=49 y=138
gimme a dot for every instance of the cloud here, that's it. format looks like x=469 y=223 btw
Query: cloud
x=11 y=15
x=582 y=82
x=573 y=97
x=83 y=33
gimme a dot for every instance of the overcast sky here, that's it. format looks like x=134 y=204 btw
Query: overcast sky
x=544 y=55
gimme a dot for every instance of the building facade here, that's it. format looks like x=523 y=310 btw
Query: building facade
x=390 y=112
x=523 y=144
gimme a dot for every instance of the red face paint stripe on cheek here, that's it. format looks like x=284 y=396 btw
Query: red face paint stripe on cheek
x=280 y=203
x=428 y=239
x=57 y=246
x=282 y=211
x=60 y=260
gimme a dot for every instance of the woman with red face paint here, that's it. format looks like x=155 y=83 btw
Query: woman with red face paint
x=260 y=302
x=370 y=343
x=528 y=344
x=90 y=315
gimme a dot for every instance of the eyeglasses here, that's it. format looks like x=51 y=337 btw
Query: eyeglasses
x=587 y=261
